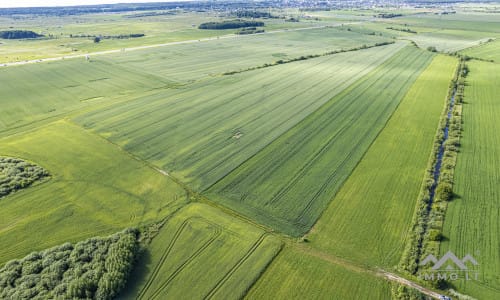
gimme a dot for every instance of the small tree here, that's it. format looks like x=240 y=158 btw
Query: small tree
x=97 y=39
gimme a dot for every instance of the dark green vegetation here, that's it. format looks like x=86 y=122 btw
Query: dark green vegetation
x=250 y=30
x=17 y=174
x=289 y=190
x=230 y=24
x=19 y=34
x=96 y=268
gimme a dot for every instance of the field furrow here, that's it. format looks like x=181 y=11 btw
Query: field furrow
x=289 y=183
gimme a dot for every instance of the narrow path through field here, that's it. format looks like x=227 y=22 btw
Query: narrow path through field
x=90 y=54
x=362 y=269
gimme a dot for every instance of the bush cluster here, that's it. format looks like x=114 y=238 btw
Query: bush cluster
x=96 y=268
x=16 y=174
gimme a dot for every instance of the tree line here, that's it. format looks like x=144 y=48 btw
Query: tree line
x=230 y=24
x=96 y=268
x=19 y=34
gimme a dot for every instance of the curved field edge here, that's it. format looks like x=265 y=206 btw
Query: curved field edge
x=202 y=253
x=297 y=275
x=472 y=225
x=289 y=183
x=369 y=219
x=96 y=189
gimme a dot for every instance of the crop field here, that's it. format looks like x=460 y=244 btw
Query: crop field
x=369 y=218
x=297 y=275
x=321 y=156
x=481 y=22
x=51 y=89
x=215 y=57
x=488 y=51
x=289 y=189
x=472 y=224
x=451 y=40
x=244 y=112
x=62 y=32
x=202 y=253
x=95 y=189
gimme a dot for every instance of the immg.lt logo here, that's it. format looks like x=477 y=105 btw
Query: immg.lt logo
x=450 y=267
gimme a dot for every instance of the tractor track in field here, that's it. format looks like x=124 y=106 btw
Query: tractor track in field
x=112 y=51
x=240 y=262
x=216 y=233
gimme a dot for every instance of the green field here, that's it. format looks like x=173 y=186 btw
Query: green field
x=472 y=224
x=215 y=57
x=95 y=189
x=451 y=40
x=297 y=275
x=368 y=220
x=284 y=165
x=202 y=253
x=290 y=182
x=51 y=89
x=488 y=51
x=202 y=132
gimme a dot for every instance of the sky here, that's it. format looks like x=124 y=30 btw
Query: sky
x=34 y=3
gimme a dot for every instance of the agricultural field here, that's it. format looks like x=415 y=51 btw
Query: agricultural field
x=368 y=219
x=487 y=51
x=244 y=112
x=471 y=223
x=289 y=190
x=202 y=253
x=299 y=275
x=451 y=40
x=95 y=189
x=74 y=34
x=53 y=89
x=292 y=161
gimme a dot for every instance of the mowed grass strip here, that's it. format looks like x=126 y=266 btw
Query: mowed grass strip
x=297 y=275
x=95 y=189
x=472 y=223
x=33 y=92
x=290 y=182
x=202 y=132
x=202 y=253
x=368 y=220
